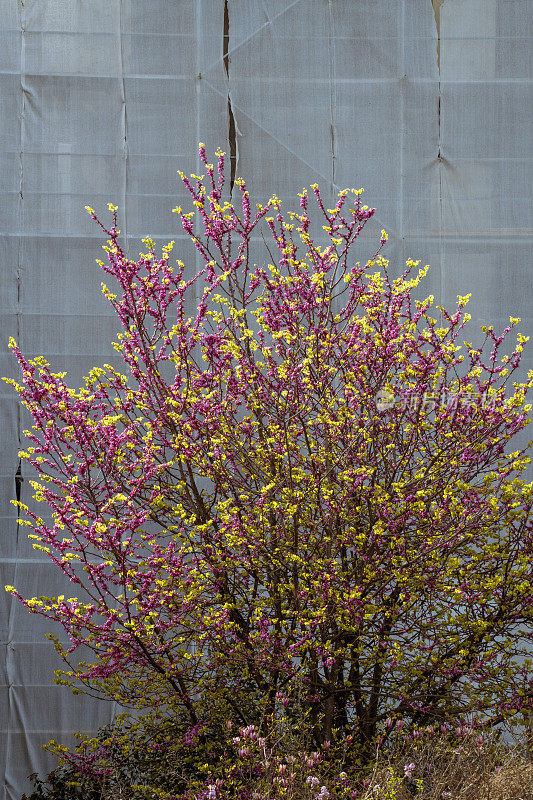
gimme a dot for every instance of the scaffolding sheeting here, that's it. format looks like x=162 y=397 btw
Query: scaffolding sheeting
x=425 y=104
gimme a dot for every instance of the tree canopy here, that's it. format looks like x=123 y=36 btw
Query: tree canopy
x=299 y=503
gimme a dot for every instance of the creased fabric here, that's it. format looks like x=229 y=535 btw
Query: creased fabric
x=105 y=101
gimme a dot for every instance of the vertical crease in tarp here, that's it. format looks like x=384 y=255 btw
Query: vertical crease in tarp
x=402 y=89
x=232 y=126
x=257 y=31
x=436 y=10
x=293 y=152
x=333 y=92
x=124 y=122
x=265 y=11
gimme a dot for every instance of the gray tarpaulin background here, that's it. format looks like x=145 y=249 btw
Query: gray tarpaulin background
x=426 y=104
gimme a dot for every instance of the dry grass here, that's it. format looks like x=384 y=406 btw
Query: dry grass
x=462 y=770
x=512 y=783
x=444 y=770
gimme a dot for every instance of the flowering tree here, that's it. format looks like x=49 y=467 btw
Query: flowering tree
x=297 y=504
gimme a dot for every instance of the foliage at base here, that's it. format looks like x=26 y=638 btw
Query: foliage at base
x=135 y=759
